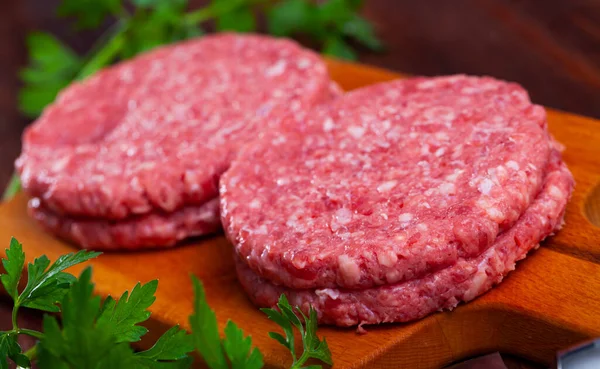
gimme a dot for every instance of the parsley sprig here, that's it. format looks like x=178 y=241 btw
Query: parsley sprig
x=333 y=26
x=286 y=317
x=98 y=335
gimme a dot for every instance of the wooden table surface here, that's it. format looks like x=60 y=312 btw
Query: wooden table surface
x=550 y=47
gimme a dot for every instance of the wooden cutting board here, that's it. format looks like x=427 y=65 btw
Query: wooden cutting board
x=551 y=301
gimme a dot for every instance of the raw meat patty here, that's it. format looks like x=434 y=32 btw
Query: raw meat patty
x=156 y=132
x=148 y=230
x=443 y=289
x=386 y=184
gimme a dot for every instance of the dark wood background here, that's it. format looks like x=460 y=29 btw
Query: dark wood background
x=551 y=47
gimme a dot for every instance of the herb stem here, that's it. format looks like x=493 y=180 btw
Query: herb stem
x=216 y=9
x=106 y=53
x=30 y=332
x=31 y=353
x=13 y=187
x=301 y=360
x=14 y=316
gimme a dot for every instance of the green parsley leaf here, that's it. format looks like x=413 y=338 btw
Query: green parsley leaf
x=170 y=351
x=234 y=351
x=288 y=17
x=239 y=20
x=4 y=350
x=287 y=318
x=239 y=349
x=316 y=348
x=50 y=293
x=335 y=12
x=156 y=3
x=337 y=47
x=122 y=317
x=89 y=13
x=157 y=22
x=362 y=31
x=81 y=343
x=46 y=284
x=52 y=66
x=13 y=265
x=283 y=322
x=96 y=337
x=9 y=348
x=355 y=4
x=205 y=331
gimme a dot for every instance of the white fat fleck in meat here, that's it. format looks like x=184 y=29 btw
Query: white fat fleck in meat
x=494 y=213
x=454 y=176
x=422 y=227
x=469 y=90
x=328 y=292
x=387 y=258
x=261 y=230
x=426 y=205
x=441 y=136
x=298 y=262
x=340 y=218
x=384 y=216
x=440 y=113
x=405 y=217
x=131 y=104
x=35 y=203
x=485 y=186
x=276 y=69
x=393 y=276
x=60 y=164
x=486 y=204
x=493 y=176
x=427 y=84
x=394 y=134
x=478 y=284
x=501 y=174
x=328 y=125
x=131 y=151
x=303 y=63
x=439 y=152
x=356 y=131
x=282 y=181
x=447 y=188
x=386 y=124
x=279 y=140
x=254 y=204
x=425 y=149
x=457 y=152
x=349 y=270
x=512 y=165
x=555 y=193
x=386 y=186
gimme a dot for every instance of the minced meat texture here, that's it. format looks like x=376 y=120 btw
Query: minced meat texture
x=156 y=132
x=444 y=289
x=156 y=229
x=386 y=184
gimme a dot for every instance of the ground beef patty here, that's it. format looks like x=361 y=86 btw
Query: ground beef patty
x=155 y=133
x=387 y=184
x=156 y=229
x=443 y=289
